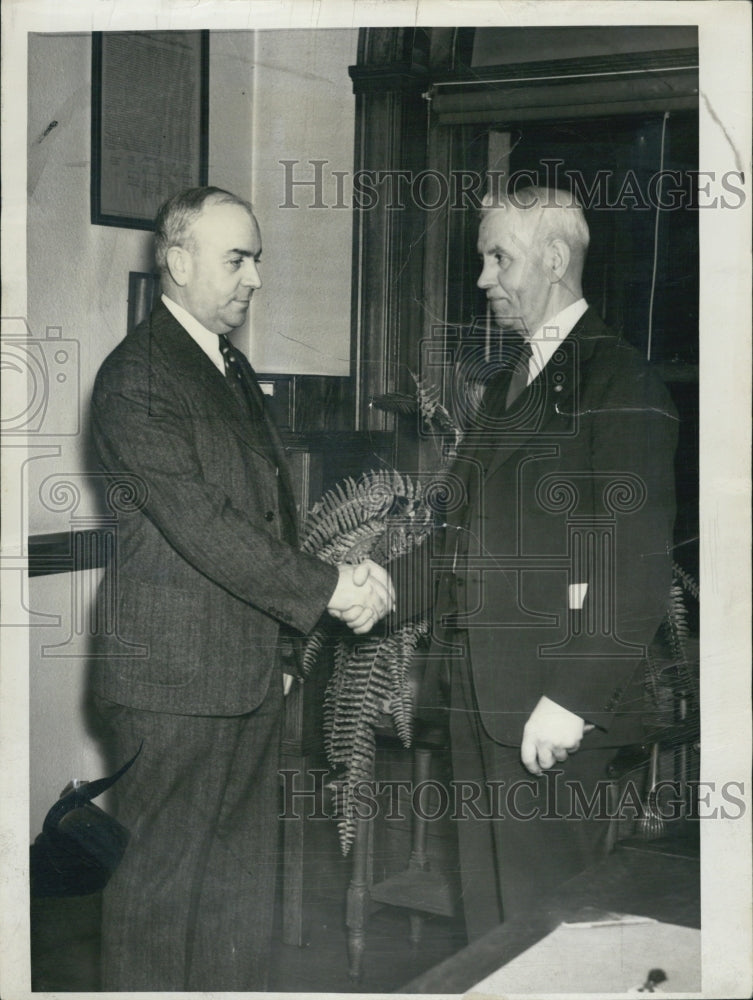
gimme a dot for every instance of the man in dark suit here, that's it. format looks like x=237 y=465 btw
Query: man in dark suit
x=210 y=583
x=553 y=575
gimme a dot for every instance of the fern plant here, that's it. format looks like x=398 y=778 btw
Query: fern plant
x=370 y=679
x=380 y=516
x=672 y=671
x=435 y=417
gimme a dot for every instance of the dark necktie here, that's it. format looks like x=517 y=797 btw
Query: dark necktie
x=519 y=380
x=243 y=383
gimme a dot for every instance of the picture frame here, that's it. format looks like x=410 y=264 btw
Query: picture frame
x=145 y=145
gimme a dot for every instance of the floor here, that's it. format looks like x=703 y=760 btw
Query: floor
x=65 y=936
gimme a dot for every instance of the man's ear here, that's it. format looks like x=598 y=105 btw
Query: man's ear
x=557 y=259
x=179 y=265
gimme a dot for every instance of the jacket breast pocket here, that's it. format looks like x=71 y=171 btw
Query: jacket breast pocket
x=168 y=622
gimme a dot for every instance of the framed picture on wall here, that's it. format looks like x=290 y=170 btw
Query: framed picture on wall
x=150 y=116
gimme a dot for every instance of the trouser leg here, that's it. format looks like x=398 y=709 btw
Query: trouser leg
x=479 y=878
x=529 y=846
x=190 y=906
x=235 y=912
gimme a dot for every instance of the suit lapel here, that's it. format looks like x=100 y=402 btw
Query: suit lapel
x=186 y=358
x=553 y=398
x=287 y=496
x=183 y=354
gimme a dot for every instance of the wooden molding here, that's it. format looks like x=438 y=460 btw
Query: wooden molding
x=68 y=551
x=397 y=77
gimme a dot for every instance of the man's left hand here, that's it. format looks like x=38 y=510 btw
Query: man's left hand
x=550 y=735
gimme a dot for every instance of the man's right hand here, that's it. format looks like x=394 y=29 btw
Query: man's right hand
x=363 y=596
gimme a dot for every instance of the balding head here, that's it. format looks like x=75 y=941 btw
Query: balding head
x=176 y=217
x=208 y=247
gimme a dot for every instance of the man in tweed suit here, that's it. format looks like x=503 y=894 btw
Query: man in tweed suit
x=209 y=573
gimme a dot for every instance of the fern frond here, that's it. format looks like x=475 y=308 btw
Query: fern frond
x=313 y=647
x=395 y=402
x=382 y=515
x=433 y=412
x=341 y=509
x=353 y=545
x=678 y=634
x=688 y=583
x=674 y=671
x=370 y=678
x=352 y=707
x=677 y=621
x=399 y=658
x=437 y=417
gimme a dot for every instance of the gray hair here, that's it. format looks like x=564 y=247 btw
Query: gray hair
x=175 y=217
x=550 y=213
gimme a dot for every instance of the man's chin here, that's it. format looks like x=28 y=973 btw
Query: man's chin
x=236 y=316
x=505 y=321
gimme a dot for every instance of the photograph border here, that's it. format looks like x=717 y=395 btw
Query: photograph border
x=725 y=114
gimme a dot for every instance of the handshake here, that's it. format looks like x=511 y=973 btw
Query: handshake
x=363 y=596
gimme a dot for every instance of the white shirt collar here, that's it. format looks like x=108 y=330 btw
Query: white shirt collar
x=209 y=342
x=551 y=334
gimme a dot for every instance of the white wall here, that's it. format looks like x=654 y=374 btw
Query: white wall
x=288 y=97
x=77 y=274
x=303 y=110
x=62 y=741
x=273 y=95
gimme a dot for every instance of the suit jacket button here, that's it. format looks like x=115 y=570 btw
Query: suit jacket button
x=269 y=516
